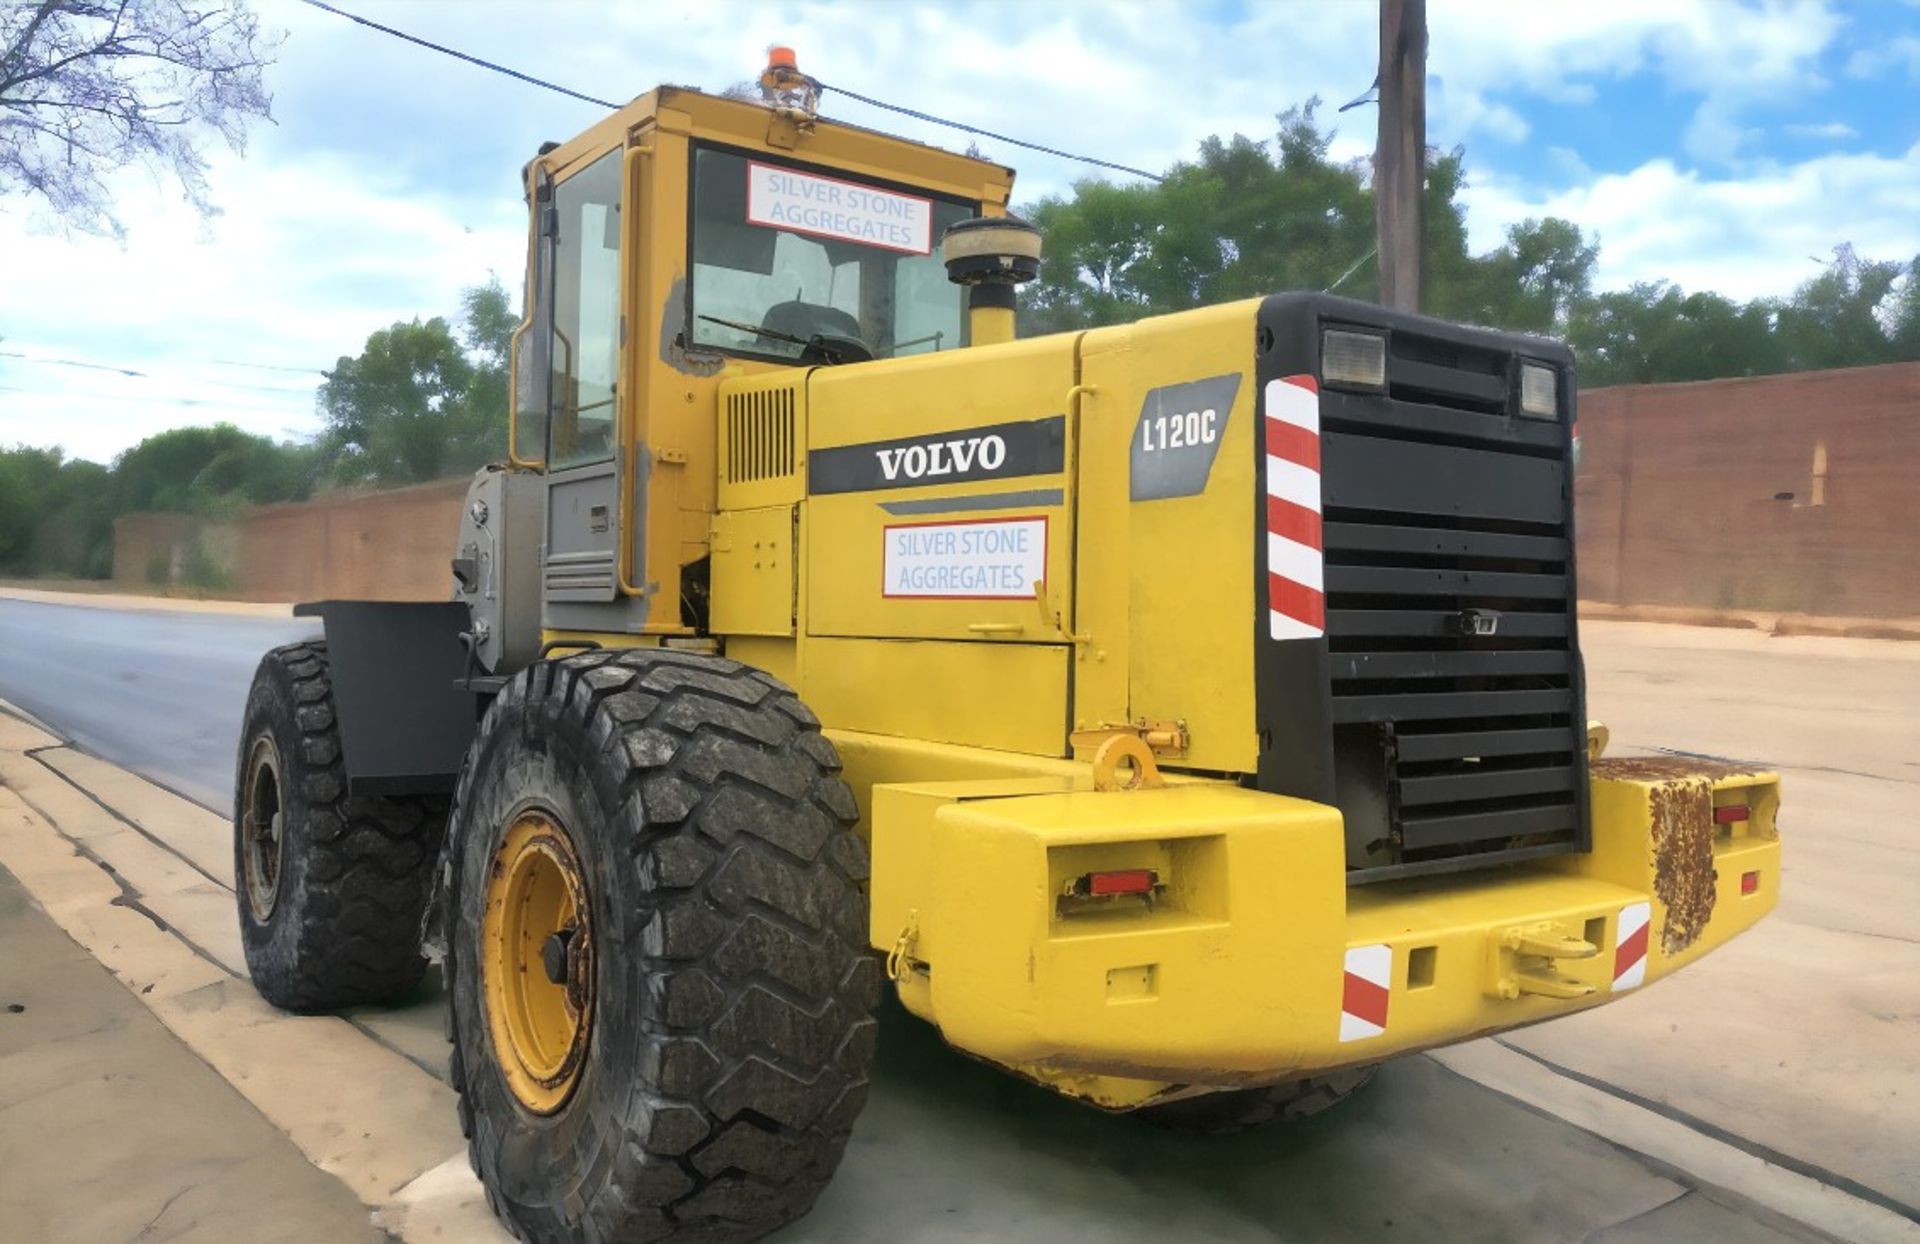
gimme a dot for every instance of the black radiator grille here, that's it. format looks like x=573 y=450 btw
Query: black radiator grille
x=1456 y=702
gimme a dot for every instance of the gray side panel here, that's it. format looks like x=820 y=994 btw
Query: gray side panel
x=582 y=519
x=404 y=723
x=497 y=566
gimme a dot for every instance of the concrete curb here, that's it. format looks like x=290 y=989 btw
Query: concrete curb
x=145 y=604
x=1756 y=620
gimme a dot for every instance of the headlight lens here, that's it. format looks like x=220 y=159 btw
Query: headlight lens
x=1354 y=360
x=1539 y=392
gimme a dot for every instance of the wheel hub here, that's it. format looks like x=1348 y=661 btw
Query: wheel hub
x=537 y=969
x=261 y=821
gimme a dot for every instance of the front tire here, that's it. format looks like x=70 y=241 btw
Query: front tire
x=661 y=995
x=332 y=887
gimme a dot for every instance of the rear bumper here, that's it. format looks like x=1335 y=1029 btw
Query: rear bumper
x=1254 y=961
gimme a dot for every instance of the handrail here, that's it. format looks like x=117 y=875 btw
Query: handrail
x=626 y=436
x=513 y=402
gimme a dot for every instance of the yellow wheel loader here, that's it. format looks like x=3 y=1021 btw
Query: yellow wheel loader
x=1184 y=715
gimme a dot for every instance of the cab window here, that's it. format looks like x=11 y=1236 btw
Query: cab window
x=799 y=263
x=586 y=315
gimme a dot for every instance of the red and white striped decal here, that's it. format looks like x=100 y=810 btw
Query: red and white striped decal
x=1630 y=946
x=1364 y=995
x=1296 y=595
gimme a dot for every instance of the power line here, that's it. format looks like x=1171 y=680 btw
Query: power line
x=447 y=51
x=58 y=362
x=50 y=360
x=869 y=100
x=1000 y=138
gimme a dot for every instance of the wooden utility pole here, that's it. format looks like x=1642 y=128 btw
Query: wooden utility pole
x=1400 y=154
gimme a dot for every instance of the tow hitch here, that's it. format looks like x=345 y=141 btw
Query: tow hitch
x=1523 y=960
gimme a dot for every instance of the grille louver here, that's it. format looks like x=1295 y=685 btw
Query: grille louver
x=1445 y=517
x=760 y=435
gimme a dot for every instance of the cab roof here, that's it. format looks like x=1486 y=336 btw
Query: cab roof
x=744 y=123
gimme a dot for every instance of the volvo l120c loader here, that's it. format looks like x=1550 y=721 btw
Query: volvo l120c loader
x=1185 y=715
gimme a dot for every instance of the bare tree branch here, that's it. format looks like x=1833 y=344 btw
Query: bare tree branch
x=91 y=86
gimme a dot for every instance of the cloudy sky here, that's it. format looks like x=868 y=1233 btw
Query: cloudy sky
x=1722 y=144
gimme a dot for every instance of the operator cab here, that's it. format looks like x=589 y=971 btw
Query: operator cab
x=686 y=241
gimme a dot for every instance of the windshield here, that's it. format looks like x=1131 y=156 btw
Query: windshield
x=787 y=258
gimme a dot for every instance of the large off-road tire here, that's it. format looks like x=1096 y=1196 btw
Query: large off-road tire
x=332 y=888
x=1242 y=1110
x=660 y=988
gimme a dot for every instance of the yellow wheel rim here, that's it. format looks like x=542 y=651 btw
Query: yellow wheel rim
x=536 y=962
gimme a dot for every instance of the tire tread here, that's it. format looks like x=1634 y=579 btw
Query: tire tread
x=367 y=865
x=756 y=1030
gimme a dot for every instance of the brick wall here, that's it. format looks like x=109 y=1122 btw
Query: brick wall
x=374 y=546
x=1797 y=493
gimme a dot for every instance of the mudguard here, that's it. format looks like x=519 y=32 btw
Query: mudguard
x=397 y=666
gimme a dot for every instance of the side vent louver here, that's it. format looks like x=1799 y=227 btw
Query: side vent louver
x=760 y=435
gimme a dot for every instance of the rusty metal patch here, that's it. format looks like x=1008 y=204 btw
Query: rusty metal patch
x=1668 y=769
x=1683 y=874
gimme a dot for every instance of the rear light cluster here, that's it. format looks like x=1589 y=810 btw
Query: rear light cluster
x=1114 y=883
x=1731 y=813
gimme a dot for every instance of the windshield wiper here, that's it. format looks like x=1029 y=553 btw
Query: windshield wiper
x=744 y=327
x=816 y=343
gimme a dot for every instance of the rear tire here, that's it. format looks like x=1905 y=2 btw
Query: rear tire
x=715 y=1042
x=332 y=888
x=1242 y=1110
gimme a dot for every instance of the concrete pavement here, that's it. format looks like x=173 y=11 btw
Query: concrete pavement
x=110 y=1128
x=951 y=1150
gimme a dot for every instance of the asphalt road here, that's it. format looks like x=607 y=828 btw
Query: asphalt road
x=157 y=693
x=949 y=1149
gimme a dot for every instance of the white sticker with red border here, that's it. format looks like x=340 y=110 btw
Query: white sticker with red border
x=827 y=207
x=980 y=559
x=1364 y=993
x=1630 y=946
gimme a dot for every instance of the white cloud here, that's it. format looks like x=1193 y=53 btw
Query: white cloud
x=306 y=260
x=1747 y=236
x=390 y=181
x=1902 y=52
x=1472 y=112
x=1730 y=56
x=1825 y=129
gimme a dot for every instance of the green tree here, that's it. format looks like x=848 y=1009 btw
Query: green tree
x=1248 y=218
x=1655 y=331
x=1904 y=331
x=1842 y=317
x=190 y=469
x=24 y=475
x=398 y=413
x=487 y=321
x=56 y=515
x=419 y=403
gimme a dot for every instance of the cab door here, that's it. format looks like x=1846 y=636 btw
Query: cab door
x=581 y=564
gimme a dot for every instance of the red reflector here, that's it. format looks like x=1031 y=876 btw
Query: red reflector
x=1750 y=883
x=1120 y=881
x=1729 y=814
